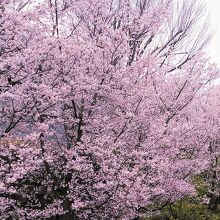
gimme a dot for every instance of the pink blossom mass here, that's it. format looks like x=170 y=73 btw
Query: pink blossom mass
x=108 y=108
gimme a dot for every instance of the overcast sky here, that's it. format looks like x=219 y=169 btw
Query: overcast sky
x=214 y=47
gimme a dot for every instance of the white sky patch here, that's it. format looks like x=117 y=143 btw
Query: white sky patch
x=214 y=45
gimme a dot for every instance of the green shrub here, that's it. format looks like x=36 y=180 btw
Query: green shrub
x=186 y=209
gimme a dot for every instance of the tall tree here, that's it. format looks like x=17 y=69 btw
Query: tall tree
x=99 y=107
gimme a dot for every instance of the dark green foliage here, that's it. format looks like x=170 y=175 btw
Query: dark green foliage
x=191 y=208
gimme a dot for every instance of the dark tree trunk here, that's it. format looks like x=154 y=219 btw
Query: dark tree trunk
x=67 y=216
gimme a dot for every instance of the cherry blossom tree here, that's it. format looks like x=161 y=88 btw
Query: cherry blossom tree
x=99 y=107
x=209 y=125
